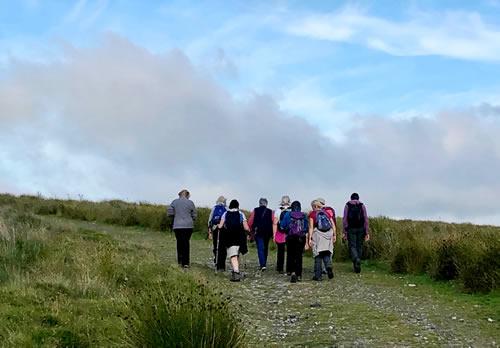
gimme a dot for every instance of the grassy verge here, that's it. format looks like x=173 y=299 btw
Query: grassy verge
x=65 y=285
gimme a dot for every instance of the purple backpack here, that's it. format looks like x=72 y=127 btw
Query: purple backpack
x=298 y=224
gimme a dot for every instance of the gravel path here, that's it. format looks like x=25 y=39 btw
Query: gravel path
x=372 y=309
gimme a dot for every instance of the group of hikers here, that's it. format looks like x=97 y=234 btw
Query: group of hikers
x=293 y=231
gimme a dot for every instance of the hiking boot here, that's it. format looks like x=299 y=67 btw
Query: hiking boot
x=235 y=277
x=293 y=279
x=357 y=266
x=330 y=272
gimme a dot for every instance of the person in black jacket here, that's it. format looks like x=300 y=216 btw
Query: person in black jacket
x=261 y=223
x=232 y=226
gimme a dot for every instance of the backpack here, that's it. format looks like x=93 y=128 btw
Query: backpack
x=263 y=221
x=323 y=221
x=219 y=210
x=298 y=224
x=355 y=215
x=232 y=221
x=284 y=223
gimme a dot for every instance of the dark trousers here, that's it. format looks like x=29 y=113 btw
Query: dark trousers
x=355 y=239
x=280 y=257
x=262 y=243
x=183 y=235
x=220 y=252
x=323 y=257
x=295 y=249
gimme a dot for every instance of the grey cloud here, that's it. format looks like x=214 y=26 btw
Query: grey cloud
x=118 y=121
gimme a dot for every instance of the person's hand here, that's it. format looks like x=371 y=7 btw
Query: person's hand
x=344 y=237
x=306 y=247
x=367 y=237
x=209 y=234
x=334 y=238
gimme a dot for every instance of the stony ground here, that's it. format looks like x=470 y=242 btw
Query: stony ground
x=372 y=309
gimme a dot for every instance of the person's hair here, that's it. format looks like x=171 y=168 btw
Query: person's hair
x=184 y=193
x=296 y=206
x=285 y=201
x=317 y=204
x=221 y=199
x=354 y=196
x=234 y=204
x=263 y=202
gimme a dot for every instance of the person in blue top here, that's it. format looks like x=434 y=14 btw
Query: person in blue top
x=213 y=233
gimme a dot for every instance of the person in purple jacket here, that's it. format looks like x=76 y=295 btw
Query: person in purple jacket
x=356 y=229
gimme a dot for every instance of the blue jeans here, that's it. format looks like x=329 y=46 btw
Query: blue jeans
x=326 y=258
x=262 y=249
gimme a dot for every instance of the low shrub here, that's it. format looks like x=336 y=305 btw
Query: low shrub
x=479 y=266
x=181 y=312
x=444 y=265
x=412 y=255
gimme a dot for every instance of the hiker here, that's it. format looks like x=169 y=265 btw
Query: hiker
x=232 y=226
x=321 y=238
x=261 y=224
x=213 y=233
x=184 y=213
x=279 y=235
x=356 y=229
x=296 y=240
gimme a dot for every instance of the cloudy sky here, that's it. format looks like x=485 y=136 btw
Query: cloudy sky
x=399 y=101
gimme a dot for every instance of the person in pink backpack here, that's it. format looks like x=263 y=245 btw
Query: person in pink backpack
x=279 y=236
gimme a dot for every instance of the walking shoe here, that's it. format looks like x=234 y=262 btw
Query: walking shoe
x=235 y=277
x=263 y=268
x=357 y=266
x=330 y=272
x=317 y=279
x=293 y=279
x=185 y=266
x=299 y=278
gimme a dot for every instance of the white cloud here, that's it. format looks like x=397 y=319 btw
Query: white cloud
x=119 y=121
x=462 y=35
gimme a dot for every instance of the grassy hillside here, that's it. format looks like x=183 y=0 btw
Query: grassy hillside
x=463 y=252
x=76 y=283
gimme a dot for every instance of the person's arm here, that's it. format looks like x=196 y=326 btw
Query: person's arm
x=171 y=210
x=309 y=241
x=194 y=213
x=367 y=227
x=250 y=220
x=344 y=221
x=222 y=221
x=334 y=228
x=210 y=216
x=275 y=227
x=245 y=226
x=209 y=228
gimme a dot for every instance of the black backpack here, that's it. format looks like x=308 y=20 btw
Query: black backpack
x=232 y=221
x=355 y=215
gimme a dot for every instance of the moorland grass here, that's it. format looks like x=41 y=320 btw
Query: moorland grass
x=443 y=250
x=64 y=286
